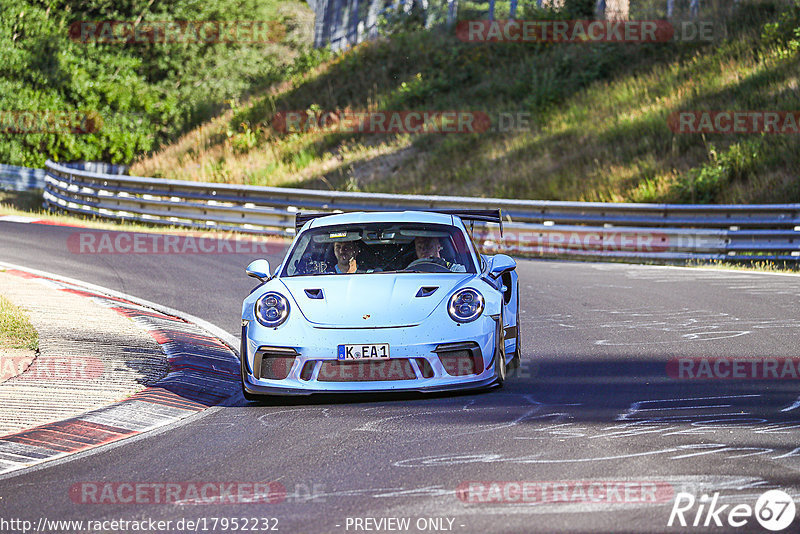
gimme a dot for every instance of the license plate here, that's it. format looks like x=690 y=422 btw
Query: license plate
x=368 y=351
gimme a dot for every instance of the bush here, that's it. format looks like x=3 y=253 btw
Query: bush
x=703 y=184
x=784 y=34
x=146 y=93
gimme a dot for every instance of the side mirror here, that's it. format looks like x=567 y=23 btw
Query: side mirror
x=500 y=265
x=258 y=269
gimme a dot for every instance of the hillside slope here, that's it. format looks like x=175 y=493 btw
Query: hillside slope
x=598 y=119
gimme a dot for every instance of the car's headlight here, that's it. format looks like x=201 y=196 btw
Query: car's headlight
x=465 y=305
x=272 y=309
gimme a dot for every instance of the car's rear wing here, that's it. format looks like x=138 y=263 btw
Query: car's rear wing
x=494 y=216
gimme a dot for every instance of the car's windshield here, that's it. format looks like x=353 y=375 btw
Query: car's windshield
x=380 y=248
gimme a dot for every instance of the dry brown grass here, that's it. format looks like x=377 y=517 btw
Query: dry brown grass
x=603 y=140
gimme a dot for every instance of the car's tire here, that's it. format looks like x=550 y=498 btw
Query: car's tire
x=517 y=359
x=500 y=356
x=514 y=364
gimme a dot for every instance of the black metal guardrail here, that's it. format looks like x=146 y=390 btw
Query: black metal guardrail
x=535 y=227
x=20 y=178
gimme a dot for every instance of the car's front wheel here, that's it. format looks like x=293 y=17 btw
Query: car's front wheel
x=518 y=345
x=500 y=355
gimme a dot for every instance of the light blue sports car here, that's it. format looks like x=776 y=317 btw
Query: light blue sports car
x=381 y=301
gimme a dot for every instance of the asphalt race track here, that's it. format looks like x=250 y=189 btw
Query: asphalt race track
x=597 y=403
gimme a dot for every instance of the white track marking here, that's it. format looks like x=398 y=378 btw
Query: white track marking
x=793 y=406
x=636 y=407
x=18 y=219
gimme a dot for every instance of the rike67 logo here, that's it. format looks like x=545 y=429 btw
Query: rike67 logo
x=774 y=510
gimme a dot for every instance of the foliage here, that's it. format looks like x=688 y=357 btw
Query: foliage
x=145 y=93
x=16 y=331
x=397 y=19
x=784 y=34
x=702 y=185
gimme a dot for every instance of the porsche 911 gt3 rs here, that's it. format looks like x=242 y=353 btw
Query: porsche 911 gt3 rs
x=381 y=301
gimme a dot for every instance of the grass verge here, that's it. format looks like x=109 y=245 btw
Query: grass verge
x=16 y=331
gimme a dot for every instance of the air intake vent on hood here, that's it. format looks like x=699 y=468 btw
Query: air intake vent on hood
x=314 y=294
x=427 y=291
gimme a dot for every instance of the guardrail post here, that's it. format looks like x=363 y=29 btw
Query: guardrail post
x=356 y=22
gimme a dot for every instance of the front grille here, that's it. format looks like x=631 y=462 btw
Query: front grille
x=308 y=370
x=276 y=368
x=424 y=367
x=274 y=363
x=458 y=363
x=460 y=359
x=366 y=370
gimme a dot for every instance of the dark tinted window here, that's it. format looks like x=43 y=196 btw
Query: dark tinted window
x=380 y=247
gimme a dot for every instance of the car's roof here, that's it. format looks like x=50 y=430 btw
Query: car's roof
x=360 y=217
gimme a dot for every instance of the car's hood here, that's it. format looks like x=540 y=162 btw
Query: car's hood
x=371 y=300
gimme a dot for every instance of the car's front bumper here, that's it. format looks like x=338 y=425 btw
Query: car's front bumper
x=314 y=367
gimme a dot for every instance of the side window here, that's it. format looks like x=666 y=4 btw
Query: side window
x=481 y=259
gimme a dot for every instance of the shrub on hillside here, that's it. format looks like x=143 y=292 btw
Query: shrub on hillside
x=145 y=93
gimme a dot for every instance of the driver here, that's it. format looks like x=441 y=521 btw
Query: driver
x=429 y=248
x=345 y=252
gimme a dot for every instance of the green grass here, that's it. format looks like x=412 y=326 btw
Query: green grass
x=16 y=331
x=21 y=201
x=598 y=120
